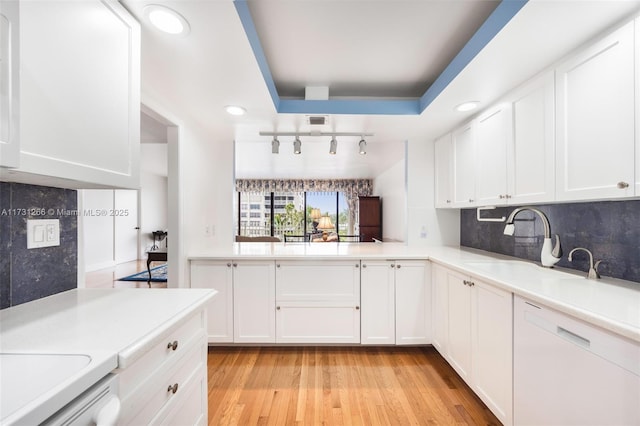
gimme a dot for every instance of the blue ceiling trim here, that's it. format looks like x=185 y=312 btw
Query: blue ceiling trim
x=385 y=107
x=505 y=11
x=250 y=29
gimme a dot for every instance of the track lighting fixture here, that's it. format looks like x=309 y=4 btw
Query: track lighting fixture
x=333 y=146
x=363 y=147
x=297 y=146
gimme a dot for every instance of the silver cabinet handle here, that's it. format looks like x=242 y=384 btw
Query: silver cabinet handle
x=471 y=200
x=392 y=265
x=357 y=266
x=623 y=185
x=502 y=196
x=172 y=345
x=277 y=308
x=228 y=265
x=357 y=308
x=398 y=266
x=235 y=265
x=277 y=265
x=173 y=388
x=364 y=265
x=507 y=196
x=448 y=201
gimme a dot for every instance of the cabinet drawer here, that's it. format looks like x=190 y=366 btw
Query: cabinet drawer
x=150 y=398
x=189 y=408
x=182 y=334
x=317 y=322
x=318 y=281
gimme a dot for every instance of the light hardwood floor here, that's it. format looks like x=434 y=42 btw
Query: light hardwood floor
x=108 y=277
x=338 y=386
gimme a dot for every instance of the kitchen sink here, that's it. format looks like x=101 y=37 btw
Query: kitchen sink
x=26 y=376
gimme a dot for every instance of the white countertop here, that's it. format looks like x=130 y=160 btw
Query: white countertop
x=111 y=326
x=610 y=303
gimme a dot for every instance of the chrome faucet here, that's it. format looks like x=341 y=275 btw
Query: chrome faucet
x=593 y=269
x=550 y=255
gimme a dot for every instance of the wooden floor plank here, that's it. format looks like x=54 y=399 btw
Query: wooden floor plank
x=338 y=386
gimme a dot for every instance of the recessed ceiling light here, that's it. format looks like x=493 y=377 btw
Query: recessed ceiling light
x=166 y=20
x=235 y=110
x=467 y=106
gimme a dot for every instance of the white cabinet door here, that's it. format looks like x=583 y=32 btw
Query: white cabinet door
x=9 y=84
x=86 y=57
x=493 y=139
x=531 y=161
x=464 y=166
x=596 y=120
x=413 y=303
x=440 y=308
x=254 y=318
x=567 y=372
x=443 y=158
x=318 y=301
x=378 y=303
x=492 y=345
x=216 y=275
x=459 y=307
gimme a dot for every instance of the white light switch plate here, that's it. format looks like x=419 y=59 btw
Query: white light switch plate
x=43 y=233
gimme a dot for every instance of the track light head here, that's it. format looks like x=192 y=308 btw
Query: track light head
x=297 y=146
x=363 y=146
x=333 y=146
x=275 y=145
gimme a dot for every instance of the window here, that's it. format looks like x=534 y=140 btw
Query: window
x=290 y=213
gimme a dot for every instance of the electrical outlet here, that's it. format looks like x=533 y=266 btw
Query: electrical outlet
x=423 y=232
x=43 y=233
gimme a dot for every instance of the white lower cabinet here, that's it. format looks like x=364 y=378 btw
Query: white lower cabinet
x=318 y=301
x=243 y=309
x=167 y=385
x=440 y=308
x=473 y=331
x=216 y=275
x=396 y=302
x=254 y=319
x=378 y=313
x=413 y=303
x=567 y=372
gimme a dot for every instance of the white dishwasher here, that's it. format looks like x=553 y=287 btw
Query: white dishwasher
x=97 y=406
x=568 y=372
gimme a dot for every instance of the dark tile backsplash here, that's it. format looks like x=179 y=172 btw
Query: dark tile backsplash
x=610 y=229
x=27 y=275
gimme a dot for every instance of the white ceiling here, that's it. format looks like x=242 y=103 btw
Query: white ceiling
x=383 y=53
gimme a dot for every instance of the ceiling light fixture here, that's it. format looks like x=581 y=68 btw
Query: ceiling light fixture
x=297 y=146
x=166 y=20
x=275 y=146
x=235 y=110
x=467 y=106
x=333 y=146
x=363 y=146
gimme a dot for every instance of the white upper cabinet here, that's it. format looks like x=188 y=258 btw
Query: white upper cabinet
x=9 y=84
x=493 y=138
x=595 y=122
x=531 y=155
x=79 y=92
x=443 y=171
x=637 y=115
x=463 y=144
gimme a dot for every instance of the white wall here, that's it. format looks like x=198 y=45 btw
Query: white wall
x=153 y=209
x=426 y=225
x=390 y=186
x=96 y=230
